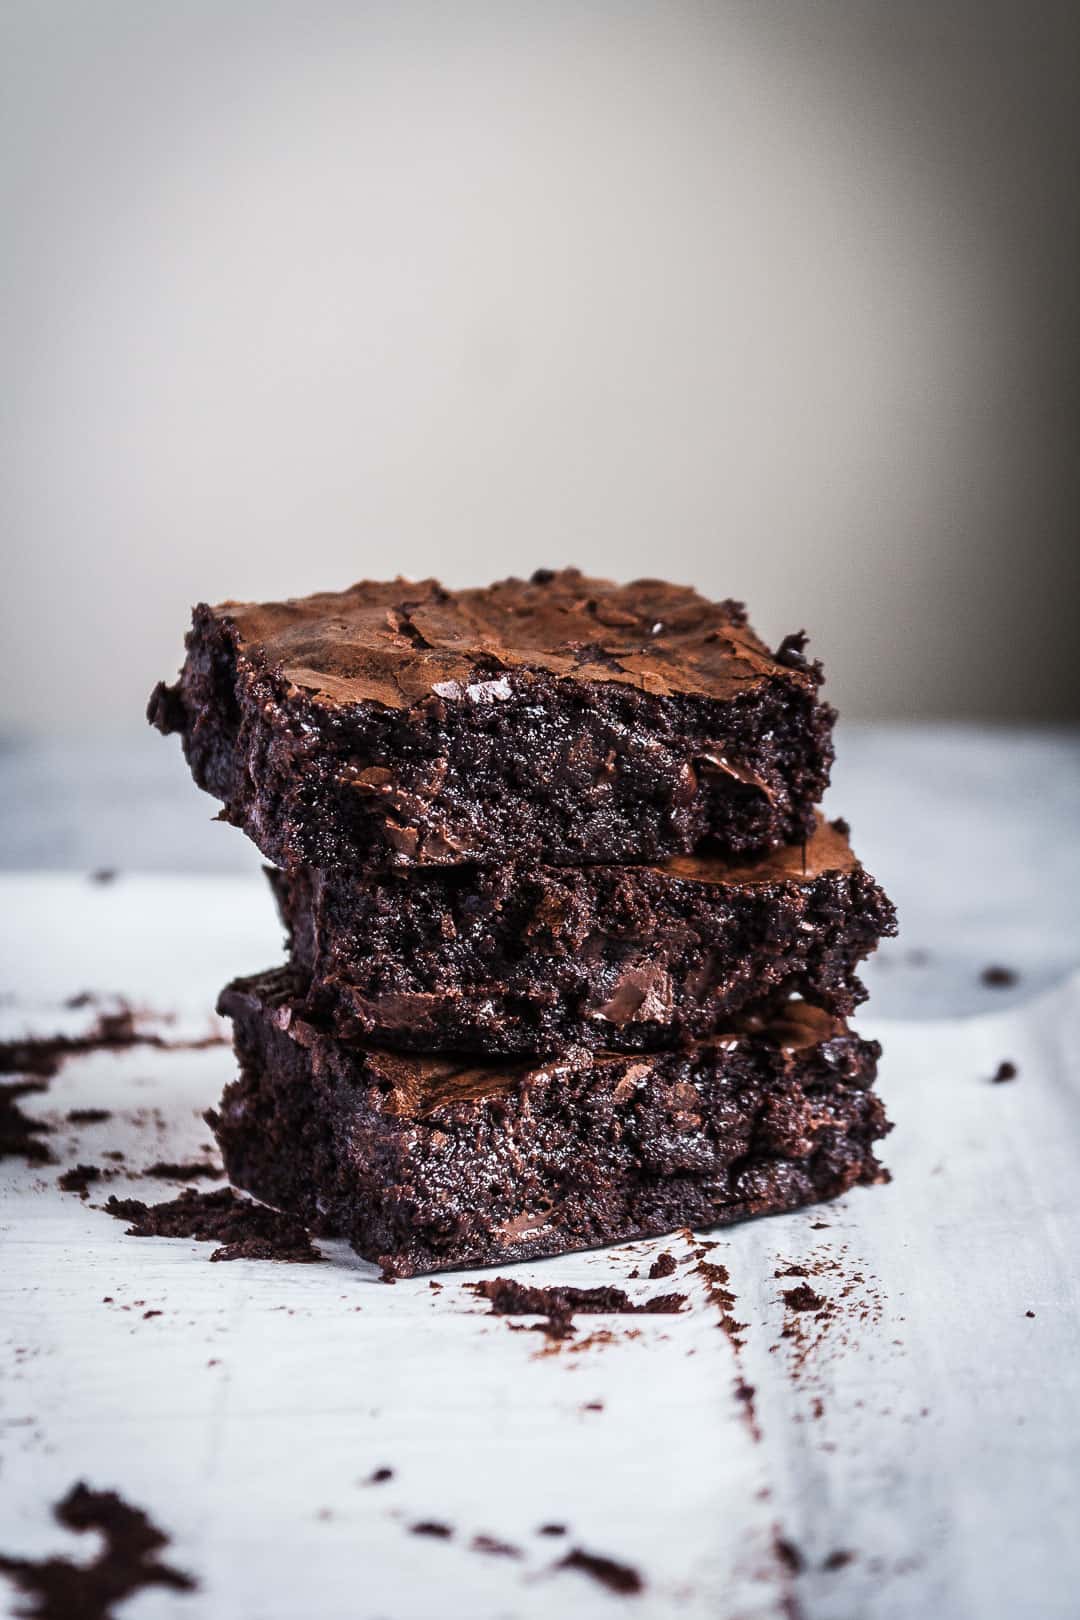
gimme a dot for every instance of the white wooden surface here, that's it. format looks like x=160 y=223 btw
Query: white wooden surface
x=929 y=1427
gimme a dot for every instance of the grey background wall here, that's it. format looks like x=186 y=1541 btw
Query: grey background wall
x=774 y=296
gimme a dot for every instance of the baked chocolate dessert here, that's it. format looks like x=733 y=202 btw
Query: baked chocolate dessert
x=559 y=720
x=506 y=959
x=425 y=1163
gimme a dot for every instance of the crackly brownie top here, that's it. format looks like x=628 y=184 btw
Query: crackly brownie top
x=398 y=642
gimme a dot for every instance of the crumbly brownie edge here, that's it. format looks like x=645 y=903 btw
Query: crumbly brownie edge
x=483 y=1179
x=629 y=959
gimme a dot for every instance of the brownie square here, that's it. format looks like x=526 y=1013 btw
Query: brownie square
x=425 y=1163
x=557 y=720
x=509 y=959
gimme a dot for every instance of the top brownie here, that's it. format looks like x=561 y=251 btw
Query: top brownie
x=561 y=719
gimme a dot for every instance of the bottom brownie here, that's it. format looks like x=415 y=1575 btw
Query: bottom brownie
x=425 y=1163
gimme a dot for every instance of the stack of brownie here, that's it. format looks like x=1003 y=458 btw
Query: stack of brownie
x=571 y=949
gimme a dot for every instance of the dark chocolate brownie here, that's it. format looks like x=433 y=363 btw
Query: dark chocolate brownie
x=425 y=1163
x=561 y=719
x=506 y=959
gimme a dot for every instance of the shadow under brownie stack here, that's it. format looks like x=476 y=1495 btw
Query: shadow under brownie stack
x=571 y=950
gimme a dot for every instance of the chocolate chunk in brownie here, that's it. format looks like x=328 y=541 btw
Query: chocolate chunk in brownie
x=425 y=1163
x=560 y=719
x=510 y=959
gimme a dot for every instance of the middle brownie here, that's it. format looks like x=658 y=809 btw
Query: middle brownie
x=514 y=959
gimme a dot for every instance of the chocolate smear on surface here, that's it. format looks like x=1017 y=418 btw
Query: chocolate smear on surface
x=716 y=1281
x=498 y=1549
x=80 y=1178
x=246 y=1230
x=20 y=1136
x=196 y=1170
x=620 y=1578
x=60 y=1589
x=559 y=1306
x=42 y=1055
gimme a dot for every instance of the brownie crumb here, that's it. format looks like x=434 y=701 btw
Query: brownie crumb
x=61 y=1589
x=196 y=1170
x=789 y=1555
x=498 y=1549
x=559 y=1305
x=791 y=1271
x=104 y=874
x=88 y=1116
x=80 y=1178
x=803 y=1298
x=379 y=1476
x=1004 y=1071
x=838 y=1559
x=552 y=1530
x=431 y=1527
x=998 y=977
x=620 y=1578
x=20 y=1136
x=247 y=1231
x=1031 y=1314
x=662 y=1266
x=146 y=1315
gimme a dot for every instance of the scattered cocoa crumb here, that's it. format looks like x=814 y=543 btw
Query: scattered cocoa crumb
x=593 y=1406
x=552 y=1530
x=662 y=1266
x=431 y=1527
x=838 y=1559
x=1030 y=1313
x=79 y=1179
x=1004 y=1071
x=789 y=1555
x=820 y=1226
x=104 y=874
x=248 y=1231
x=63 y=1590
x=379 y=1476
x=633 y=1276
x=146 y=1315
x=999 y=978
x=196 y=1170
x=19 y=1134
x=791 y=1271
x=500 y=1549
x=802 y=1298
x=88 y=1116
x=621 y=1578
x=115 y=1154
x=559 y=1305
